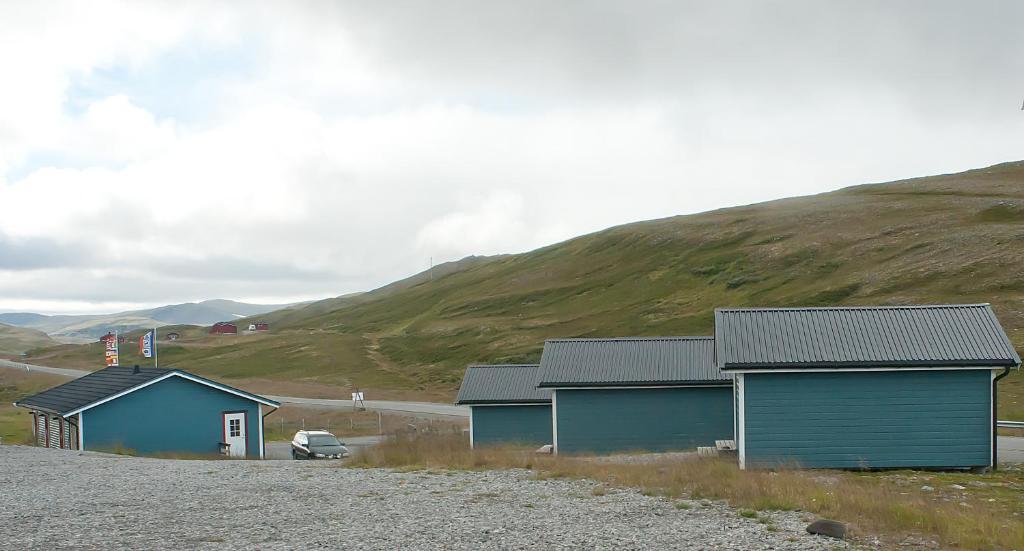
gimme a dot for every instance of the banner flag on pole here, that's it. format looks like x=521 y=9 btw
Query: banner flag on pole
x=146 y=344
x=110 y=346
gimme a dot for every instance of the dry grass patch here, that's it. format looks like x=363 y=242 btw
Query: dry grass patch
x=872 y=504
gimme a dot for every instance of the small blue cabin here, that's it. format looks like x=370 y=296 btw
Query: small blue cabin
x=149 y=411
x=505 y=405
x=865 y=387
x=633 y=394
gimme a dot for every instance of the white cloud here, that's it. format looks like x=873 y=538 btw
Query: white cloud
x=364 y=139
x=114 y=129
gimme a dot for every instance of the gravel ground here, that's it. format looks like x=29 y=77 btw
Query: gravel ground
x=52 y=499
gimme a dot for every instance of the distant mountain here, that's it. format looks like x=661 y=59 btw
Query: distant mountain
x=15 y=340
x=91 y=327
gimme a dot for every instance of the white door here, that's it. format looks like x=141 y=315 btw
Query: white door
x=234 y=433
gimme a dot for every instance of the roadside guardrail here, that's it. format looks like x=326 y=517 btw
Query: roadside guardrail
x=1010 y=424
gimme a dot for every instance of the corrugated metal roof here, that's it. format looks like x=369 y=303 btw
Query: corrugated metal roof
x=882 y=336
x=107 y=382
x=501 y=384
x=634 y=361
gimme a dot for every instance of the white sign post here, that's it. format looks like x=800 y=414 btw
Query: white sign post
x=357 y=401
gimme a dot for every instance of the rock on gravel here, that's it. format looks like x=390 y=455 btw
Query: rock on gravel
x=62 y=499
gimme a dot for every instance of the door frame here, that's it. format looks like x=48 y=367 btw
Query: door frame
x=245 y=428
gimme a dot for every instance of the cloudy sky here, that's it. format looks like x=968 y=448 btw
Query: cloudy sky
x=155 y=153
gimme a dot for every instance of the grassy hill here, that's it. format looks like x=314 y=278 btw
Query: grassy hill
x=15 y=340
x=939 y=239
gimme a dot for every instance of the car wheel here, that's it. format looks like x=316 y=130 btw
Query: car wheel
x=294 y=455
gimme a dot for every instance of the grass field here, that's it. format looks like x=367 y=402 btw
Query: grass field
x=900 y=508
x=943 y=239
x=16 y=423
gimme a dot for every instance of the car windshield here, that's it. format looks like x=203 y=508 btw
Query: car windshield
x=323 y=440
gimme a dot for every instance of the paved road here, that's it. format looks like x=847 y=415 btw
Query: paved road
x=283 y=450
x=73 y=373
x=424 y=410
x=417 y=409
x=1011 y=449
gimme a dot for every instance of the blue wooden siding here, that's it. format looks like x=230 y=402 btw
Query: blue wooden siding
x=868 y=419
x=652 y=419
x=529 y=425
x=174 y=415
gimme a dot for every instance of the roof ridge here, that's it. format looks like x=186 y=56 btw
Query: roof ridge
x=879 y=307
x=481 y=366
x=613 y=339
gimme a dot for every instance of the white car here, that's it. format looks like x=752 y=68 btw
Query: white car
x=317 y=444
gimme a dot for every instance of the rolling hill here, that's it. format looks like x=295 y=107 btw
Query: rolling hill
x=16 y=340
x=938 y=239
x=90 y=327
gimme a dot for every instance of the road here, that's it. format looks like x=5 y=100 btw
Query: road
x=423 y=410
x=73 y=373
x=415 y=409
x=1011 y=448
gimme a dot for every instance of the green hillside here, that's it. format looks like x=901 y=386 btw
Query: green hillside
x=950 y=238
x=15 y=340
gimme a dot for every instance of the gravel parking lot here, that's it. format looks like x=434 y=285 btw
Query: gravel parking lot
x=61 y=499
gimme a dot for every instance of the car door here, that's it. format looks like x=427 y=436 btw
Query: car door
x=234 y=433
x=301 y=446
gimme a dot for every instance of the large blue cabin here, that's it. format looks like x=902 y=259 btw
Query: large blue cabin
x=150 y=411
x=865 y=387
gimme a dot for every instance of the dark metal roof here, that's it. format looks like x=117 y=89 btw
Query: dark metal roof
x=105 y=383
x=90 y=388
x=634 y=361
x=867 y=337
x=501 y=384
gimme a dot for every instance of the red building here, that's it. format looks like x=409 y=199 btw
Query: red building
x=223 y=328
x=262 y=326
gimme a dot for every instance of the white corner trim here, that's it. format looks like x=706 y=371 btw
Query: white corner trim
x=170 y=374
x=741 y=444
x=259 y=413
x=81 y=433
x=471 y=445
x=554 y=421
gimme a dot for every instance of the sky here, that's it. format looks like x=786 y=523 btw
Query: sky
x=163 y=152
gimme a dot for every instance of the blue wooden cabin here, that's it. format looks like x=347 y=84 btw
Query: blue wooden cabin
x=149 y=411
x=635 y=394
x=865 y=387
x=505 y=405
